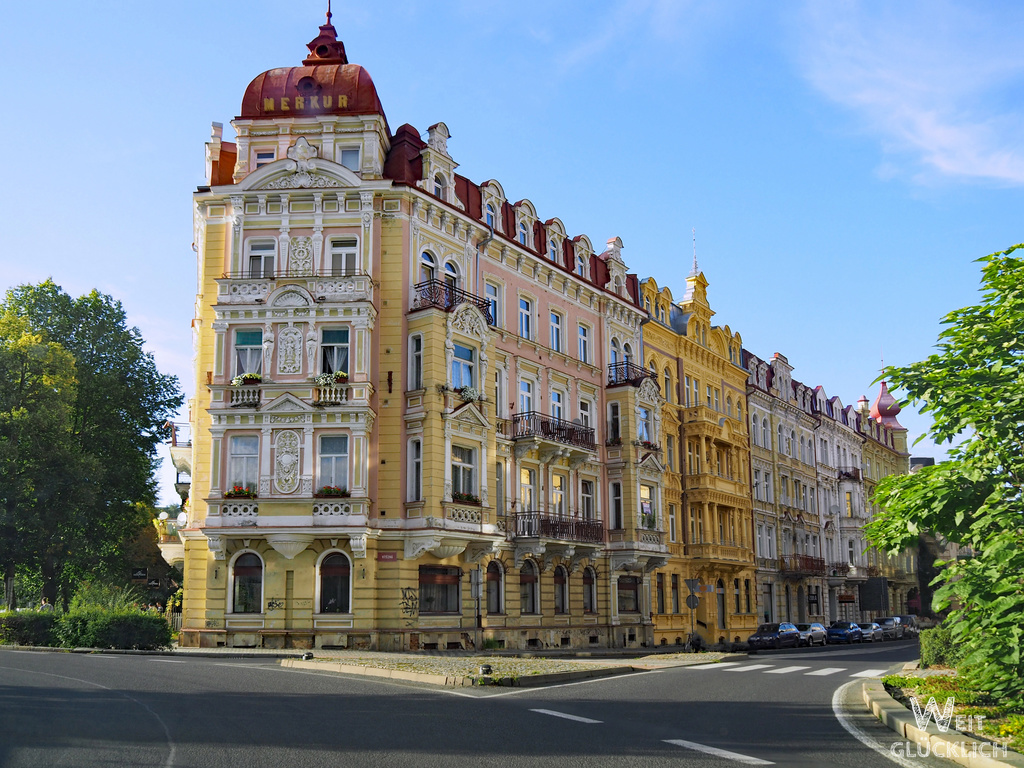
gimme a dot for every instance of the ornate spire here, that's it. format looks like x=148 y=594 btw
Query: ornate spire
x=326 y=48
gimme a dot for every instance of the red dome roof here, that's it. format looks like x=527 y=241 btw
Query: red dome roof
x=885 y=408
x=326 y=84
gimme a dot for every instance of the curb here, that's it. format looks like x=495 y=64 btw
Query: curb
x=130 y=652
x=953 y=745
x=457 y=681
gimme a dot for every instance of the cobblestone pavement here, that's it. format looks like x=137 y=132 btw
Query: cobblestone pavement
x=455 y=665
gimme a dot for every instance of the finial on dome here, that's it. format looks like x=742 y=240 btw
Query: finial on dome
x=329 y=14
x=695 y=269
x=326 y=48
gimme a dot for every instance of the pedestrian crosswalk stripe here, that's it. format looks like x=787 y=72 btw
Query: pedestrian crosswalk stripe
x=715 y=665
x=869 y=673
x=783 y=670
x=826 y=671
x=750 y=668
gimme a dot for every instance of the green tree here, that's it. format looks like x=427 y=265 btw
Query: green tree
x=973 y=388
x=117 y=418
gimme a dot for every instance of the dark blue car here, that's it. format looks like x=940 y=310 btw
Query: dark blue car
x=774 y=636
x=845 y=632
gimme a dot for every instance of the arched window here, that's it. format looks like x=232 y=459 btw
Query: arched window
x=528 y=602
x=247 y=584
x=753 y=429
x=791 y=445
x=522 y=233
x=561 y=590
x=495 y=593
x=439 y=186
x=552 y=250
x=781 y=444
x=428 y=267
x=490 y=215
x=335 y=582
x=739 y=410
x=765 y=435
x=615 y=351
x=627 y=353
x=451 y=275
x=728 y=405
x=589 y=590
x=581 y=266
x=668 y=386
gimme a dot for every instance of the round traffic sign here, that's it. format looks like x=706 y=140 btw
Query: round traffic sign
x=692 y=601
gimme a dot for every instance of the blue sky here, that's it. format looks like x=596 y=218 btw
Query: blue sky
x=843 y=163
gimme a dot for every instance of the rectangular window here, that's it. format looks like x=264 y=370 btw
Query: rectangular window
x=415 y=362
x=558 y=495
x=718 y=405
x=439 y=589
x=334 y=461
x=343 y=256
x=525 y=396
x=686 y=391
x=264 y=157
x=849 y=504
x=584 y=344
x=746 y=595
x=463 y=470
x=528 y=489
x=613 y=422
x=462 y=367
x=693 y=525
x=585 y=414
x=415 y=470
x=769 y=492
x=557 y=399
x=644 y=425
x=629 y=594
x=587 y=499
x=617 y=506
x=709 y=399
x=526 y=318
x=350 y=159
x=556 y=332
x=243 y=462
x=757 y=484
x=248 y=352
x=334 y=351
x=648 y=516
x=670 y=453
x=493 y=295
x=660 y=588
x=671 y=522
x=675 y=593
x=696 y=392
x=261 y=258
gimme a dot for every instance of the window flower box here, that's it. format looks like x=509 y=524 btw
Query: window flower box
x=612 y=441
x=465 y=498
x=246 y=378
x=333 y=492
x=647 y=445
x=331 y=379
x=468 y=394
x=240 y=492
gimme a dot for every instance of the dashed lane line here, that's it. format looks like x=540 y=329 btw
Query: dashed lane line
x=734 y=756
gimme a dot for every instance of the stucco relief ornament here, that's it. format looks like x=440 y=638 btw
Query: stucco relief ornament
x=301 y=256
x=302 y=156
x=311 y=346
x=289 y=356
x=286 y=476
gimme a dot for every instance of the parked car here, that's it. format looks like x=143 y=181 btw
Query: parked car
x=844 y=632
x=871 y=631
x=892 y=628
x=910 y=625
x=812 y=634
x=774 y=636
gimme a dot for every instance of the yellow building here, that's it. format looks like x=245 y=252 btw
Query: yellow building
x=707 y=468
x=418 y=422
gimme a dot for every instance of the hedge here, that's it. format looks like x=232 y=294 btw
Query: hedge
x=97 y=628
x=939 y=649
x=28 y=628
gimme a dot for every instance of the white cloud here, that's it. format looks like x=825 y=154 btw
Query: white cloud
x=933 y=80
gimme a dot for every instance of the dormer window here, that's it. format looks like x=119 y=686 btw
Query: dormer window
x=581 y=266
x=553 y=250
x=439 y=186
x=489 y=215
x=522 y=233
x=265 y=157
x=350 y=158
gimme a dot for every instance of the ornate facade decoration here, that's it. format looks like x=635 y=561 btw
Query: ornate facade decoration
x=286 y=462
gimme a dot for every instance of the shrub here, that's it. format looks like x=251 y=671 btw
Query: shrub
x=125 y=629
x=27 y=628
x=94 y=594
x=938 y=648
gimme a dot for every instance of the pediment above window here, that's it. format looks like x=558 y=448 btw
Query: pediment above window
x=287 y=403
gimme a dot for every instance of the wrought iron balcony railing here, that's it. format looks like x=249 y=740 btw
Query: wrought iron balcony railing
x=533 y=525
x=536 y=424
x=802 y=565
x=437 y=293
x=627 y=373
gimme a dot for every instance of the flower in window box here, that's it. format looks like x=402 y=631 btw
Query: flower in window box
x=468 y=394
x=331 y=379
x=246 y=378
x=466 y=498
x=648 y=445
x=613 y=441
x=338 y=491
x=240 y=492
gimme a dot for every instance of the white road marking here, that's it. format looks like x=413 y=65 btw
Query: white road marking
x=855 y=730
x=784 y=670
x=553 y=713
x=714 y=665
x=168 y=661
x=736 y=756
x=826 y=671
x=751 y=668
x=869 y=673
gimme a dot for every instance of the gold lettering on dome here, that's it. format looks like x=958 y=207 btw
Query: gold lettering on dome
x=328 y=101
x=343 y=102
x=314 y=102
x=268 y=105
x=300 y=102
x=284 y=104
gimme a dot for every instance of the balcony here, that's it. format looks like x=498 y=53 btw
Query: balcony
x=849 y=473
x=245 y=396
x=801 y=565
x=838 y=569
x=439 y=295
x=538 y=525
x=627 y=373
x=254 y=286
x=723 y=552
x=334 y=394
x=552 y=438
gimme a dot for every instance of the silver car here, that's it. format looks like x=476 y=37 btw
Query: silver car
x=871 y=631
x=812 y=634
x=892 y=629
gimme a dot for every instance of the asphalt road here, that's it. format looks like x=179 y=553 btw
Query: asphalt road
x=86 y=711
